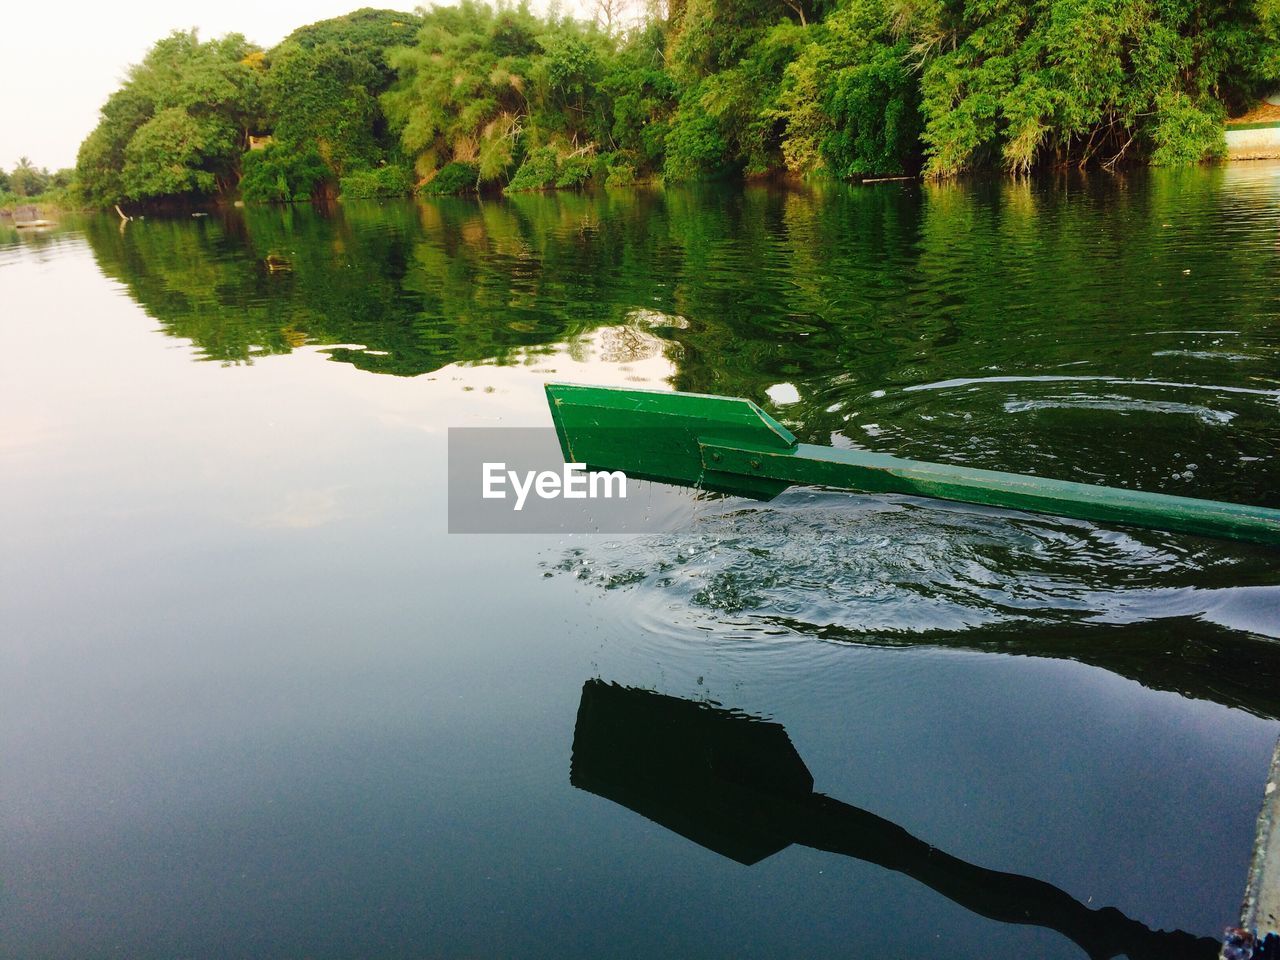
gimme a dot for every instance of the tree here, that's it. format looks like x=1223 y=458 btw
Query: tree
x=165 y=155
x=640 y=96
x=491 y=87
x=179 y=124
x=850 y=101
x=613 y=16
x=323 y=83
x=461 y=93
x=1080 y=81
x=27 y=180
x=473 y=96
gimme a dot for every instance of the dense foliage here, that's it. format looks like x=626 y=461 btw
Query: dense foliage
x=280 y=174
x=323 y=84
x=27 y=184
x=474 y=97
x=515 y=96
x=179 y=125
x=385 y=181
x=1079 y=80
x=850 y=100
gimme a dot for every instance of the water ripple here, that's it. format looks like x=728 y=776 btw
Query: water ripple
x=891 y=569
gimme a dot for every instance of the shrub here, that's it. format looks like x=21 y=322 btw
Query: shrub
x=1186 y=133
x=277 y=175
x=876 y=121
x=388 y=181
x=575 y=171
x=538 y=172
x=695 y=147
x=453 y=178
x=619 y=171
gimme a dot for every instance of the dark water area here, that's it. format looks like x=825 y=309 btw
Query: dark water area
x=256 y=701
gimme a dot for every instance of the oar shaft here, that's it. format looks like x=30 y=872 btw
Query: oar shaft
x=880 y=473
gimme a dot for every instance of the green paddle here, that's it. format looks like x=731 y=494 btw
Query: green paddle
x=730 y=445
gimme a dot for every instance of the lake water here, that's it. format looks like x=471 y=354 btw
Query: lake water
x=256 y=701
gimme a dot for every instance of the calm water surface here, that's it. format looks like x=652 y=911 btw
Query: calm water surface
x=255 y=701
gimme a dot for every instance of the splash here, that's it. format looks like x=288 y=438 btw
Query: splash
x=895 y=569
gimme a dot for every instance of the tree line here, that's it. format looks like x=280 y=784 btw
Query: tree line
x=28 y=183
x=473 y=97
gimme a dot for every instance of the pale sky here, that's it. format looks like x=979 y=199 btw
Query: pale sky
x=63 y=61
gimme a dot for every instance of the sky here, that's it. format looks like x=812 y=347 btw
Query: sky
x=63 y=62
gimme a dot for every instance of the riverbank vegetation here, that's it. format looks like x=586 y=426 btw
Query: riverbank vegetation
x=28 y=186
x=474 y=97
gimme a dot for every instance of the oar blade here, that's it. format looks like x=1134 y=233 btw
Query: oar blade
x=654 y=435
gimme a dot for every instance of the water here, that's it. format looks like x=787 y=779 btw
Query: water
x=255 y=701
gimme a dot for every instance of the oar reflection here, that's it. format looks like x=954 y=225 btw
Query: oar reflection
x=736 y=785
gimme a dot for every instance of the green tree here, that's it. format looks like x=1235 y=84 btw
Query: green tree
x=179 y=124
x=276 y=174
x=850 y=101
x=166 y=155
x=492 y=87
x=323 y=82
x=27 y=180
x=641 y=96
x=1078 y=81
x=462 y=90
x=729 y=57
x=473 y=96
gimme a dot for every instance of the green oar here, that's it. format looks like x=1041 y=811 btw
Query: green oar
x=732 y=446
